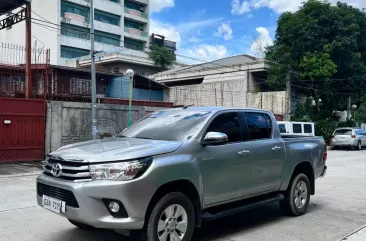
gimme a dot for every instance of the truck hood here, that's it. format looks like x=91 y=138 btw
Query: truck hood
x=115 y=149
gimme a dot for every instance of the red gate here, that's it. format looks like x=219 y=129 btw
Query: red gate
x=22 y=129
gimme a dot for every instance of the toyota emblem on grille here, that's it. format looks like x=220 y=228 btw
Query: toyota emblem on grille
x=56 y=170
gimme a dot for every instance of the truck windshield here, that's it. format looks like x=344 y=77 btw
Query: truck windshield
x=168 y=125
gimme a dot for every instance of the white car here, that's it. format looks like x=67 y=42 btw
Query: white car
x=348 y=137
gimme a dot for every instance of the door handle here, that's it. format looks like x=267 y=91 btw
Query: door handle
x=276 y=148
x=243 y=153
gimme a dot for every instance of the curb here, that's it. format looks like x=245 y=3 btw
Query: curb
x=20 y=175
x=354 y=232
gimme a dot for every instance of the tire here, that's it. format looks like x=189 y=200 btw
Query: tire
x=359 y=146
x=295 y=204
x=81 y=225
x=336 y=148
x=170 y=203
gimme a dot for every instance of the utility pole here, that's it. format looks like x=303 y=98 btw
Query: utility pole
x=28 y=50
x=349 y=108
x=288 y=98
x=92 y=72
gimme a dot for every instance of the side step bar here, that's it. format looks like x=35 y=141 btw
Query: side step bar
x=216 y=213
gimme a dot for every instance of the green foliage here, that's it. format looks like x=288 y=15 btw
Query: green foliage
x=325 y=128
x=361 y=114
x=347 y=123
x=303 y=113
x=323 y=48
x=162 y=57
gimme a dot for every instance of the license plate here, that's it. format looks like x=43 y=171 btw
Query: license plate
x=53 y=204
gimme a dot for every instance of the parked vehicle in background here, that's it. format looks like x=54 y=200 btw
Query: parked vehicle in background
x=348 y=137
x=176 y=168
x=293 y=128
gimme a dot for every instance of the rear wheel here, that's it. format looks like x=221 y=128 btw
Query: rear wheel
x=172 y=219
x=297 y=196
x=359 y=146
x=81 y=225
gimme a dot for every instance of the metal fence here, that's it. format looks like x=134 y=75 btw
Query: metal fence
x=13 y=82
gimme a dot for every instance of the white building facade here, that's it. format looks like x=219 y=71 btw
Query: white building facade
x=64 y=27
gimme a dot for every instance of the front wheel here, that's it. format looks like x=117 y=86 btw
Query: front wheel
x=297 y=196
x=173 y=218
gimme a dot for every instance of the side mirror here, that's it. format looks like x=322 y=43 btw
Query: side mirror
x=215 y=138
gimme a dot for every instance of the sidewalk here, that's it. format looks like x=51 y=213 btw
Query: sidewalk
x=20 y=169
x=358 y=235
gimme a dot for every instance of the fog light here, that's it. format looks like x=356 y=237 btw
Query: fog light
x=114 y=207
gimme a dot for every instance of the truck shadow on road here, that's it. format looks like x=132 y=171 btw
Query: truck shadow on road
x=236 y=225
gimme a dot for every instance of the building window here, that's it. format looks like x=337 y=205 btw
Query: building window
x=132 y=44
x=67 y=7
x=71 y=53
x=132 y=24
x=80 y=86
x=134 y=6
x=74 y=31
x=107 y=38
x=106 y=17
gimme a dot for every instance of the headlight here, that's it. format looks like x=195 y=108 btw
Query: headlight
x=120 y=171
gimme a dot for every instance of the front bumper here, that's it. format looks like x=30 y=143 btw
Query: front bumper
x=93 y=211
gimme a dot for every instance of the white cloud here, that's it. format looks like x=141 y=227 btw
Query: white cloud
x=193 y=26
x=159 y=5
x=261 y=42
x=204 y=52
x=238 y=8
x=194 y=39
x=224 y=31
x=280 y=6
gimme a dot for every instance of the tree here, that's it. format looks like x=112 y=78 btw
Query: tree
x=162 y=57
x=323 y=47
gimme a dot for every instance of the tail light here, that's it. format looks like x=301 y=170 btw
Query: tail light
x=325 y=156
x=353 y=136
x=332 y=137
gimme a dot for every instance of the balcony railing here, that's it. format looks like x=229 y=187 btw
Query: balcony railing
x=136 y=32
x=136 y=13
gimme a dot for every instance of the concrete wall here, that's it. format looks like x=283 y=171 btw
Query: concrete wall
x=212 y=92
x=272 y=101
x=70 y=122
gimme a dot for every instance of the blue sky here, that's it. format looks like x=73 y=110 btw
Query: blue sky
x=210 y=29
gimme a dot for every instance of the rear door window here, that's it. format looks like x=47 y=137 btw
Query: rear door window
x=259 y=125
x=343 y=132
x=297 y=128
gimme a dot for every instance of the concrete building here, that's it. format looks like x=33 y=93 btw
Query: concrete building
x=63 y=27
x=237 y=81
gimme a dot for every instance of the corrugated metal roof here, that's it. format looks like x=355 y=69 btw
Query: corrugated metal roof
x=228 y=61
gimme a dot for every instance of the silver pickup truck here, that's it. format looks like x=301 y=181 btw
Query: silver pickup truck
x=176 y=168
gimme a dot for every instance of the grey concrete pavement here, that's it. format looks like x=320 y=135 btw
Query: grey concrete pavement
x=337 y=209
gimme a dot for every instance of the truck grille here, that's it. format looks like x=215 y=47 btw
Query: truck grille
x=76 y=171
x=58 y=193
